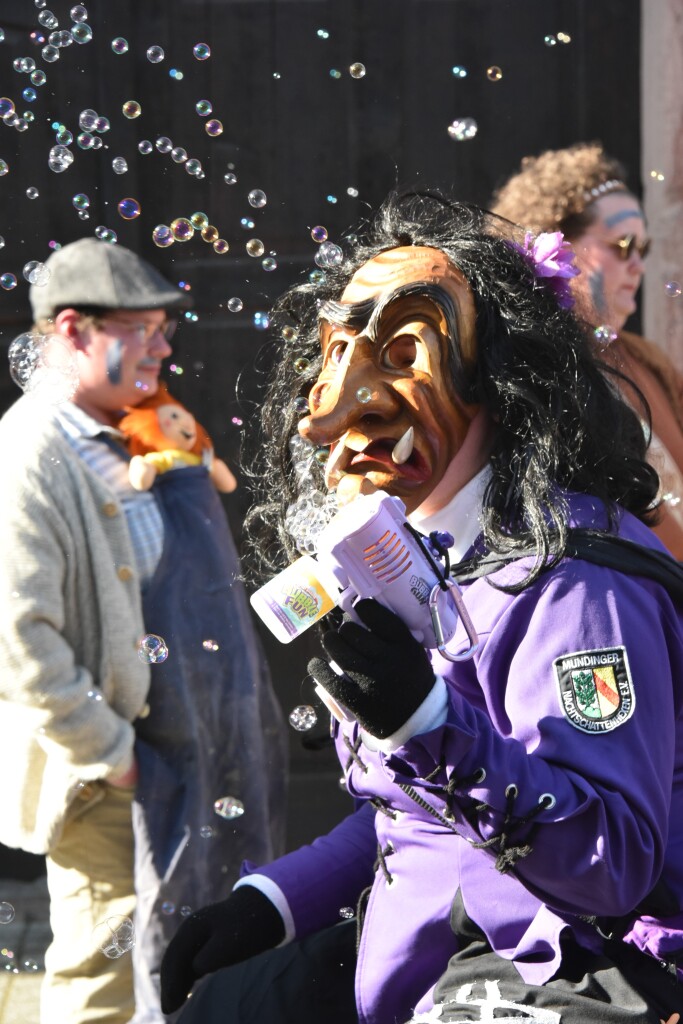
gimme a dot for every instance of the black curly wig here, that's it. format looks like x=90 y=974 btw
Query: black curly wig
x=561 y=425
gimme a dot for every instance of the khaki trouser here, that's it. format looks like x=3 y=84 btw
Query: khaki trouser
x=90 y=879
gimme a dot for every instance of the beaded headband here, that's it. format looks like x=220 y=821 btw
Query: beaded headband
x=613 y=185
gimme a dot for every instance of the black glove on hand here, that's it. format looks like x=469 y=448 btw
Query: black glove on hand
x=217 y=936
x=387 y=671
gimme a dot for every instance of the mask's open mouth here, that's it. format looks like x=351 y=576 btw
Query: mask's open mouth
x=377 y=454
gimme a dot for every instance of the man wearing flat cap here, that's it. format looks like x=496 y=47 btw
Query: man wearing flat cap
x=115 y=763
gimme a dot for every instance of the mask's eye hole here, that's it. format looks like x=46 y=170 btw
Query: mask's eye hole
x=401 y=353
x=336 y=352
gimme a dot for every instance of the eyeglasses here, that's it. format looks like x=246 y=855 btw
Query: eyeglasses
x=144 y=330
x=626 y=246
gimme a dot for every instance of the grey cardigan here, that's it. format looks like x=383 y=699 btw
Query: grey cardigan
x=71 y=682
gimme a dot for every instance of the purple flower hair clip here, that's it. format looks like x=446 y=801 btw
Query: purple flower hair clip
x=552 y=261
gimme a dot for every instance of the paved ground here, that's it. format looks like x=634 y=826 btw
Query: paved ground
x=23 y=942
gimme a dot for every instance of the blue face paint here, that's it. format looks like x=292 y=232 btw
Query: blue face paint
x=596 y=283
x=114 y=360
x=620 y=215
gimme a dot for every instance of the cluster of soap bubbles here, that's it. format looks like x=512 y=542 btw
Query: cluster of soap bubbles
x=228 y=807
x=329 y=254
x=307 y=517
x=152 y=649
x=463 y=128
x=183 y=229
x=115 y=936
x=43 y=366
x=553 y=40
x=604 y=334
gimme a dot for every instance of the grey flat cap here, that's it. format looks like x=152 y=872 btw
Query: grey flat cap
x=94 y=273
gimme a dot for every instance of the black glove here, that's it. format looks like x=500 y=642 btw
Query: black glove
x=217 y=936
x=387 y=671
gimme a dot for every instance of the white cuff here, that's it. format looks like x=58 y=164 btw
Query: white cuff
x=430 y=715
x=276 y=896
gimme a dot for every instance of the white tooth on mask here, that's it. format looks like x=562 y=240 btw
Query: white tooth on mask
x=403 y=448
x=331 y=472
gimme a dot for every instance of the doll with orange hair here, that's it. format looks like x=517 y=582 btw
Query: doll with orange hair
x=161 y=435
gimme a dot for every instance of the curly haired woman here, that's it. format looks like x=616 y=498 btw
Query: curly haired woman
x=582 y=192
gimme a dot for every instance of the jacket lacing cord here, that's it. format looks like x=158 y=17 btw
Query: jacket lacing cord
x=354 y=756
x=383 y=807
x=507 y=856
x=362 y=905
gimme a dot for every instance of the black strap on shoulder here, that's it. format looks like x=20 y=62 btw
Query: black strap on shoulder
x=594 y=546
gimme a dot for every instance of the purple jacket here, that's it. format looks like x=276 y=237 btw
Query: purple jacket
x=569 y=713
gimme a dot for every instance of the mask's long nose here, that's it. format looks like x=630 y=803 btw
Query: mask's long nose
x=340 y=400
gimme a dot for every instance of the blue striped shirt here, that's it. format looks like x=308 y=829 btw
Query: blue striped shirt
x=143 y=517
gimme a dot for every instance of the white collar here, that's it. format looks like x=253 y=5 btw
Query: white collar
x=460 y=517
x=75 y=422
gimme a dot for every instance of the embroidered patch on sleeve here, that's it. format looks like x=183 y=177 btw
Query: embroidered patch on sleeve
x=596 y=689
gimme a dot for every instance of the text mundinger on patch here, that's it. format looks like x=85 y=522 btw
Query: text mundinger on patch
x=596 y=689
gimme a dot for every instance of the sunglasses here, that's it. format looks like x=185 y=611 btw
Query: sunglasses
x=145 y=331
x=626 y=246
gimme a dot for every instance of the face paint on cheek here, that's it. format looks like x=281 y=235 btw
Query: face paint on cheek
x=596 y=283
x=114 y=361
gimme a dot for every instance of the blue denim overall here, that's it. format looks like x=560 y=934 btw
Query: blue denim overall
x=214 y=729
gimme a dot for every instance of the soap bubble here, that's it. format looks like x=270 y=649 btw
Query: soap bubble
x=347 y=913
x=145 y=147
x=210 y=645
x=303 y=718
x=38 y=78
x=63 y=137
x=36 y=273
x=163 y=144
x=59 y=159
x=115 y=936
x=494 y=73
x=131 y=109
x=230 y=178
x=657 y=175
x=6 y=106
x=319 y=233
x=168 y=907
x=364 y=395
x=119 y=45
x=316 y=277
x=357 y=71
x=81 y=34
x=185 y=911
x=604 y=334
x=102 y=125
x=32 y=192
x=289 y=333
x=672 y=289
x=47 y=19
x=199 y=220
x=44 y=366
x=87 y=119
x=8 y=282
x=175 y=73
x=257 y=198
x=322 y=33
x=201 y=51
x=162 y=236
x=550 y=40
x=94 y=695
x=85 y=140
x=6 y=913
x=221 y=246
x=329 y=255
x=261 y=321
x=209 y=233
x=269 y=263
x=463 y=128
x=334 y=73
x=78 y=13
x=255 y=247
x=459 y=71
x=203 y=107
x=564 y=37
x=331 y=199
x=30 y=965
x=4 y=168
x=29 y=94
x=155 y=54
x=301 y=364
x=178 y=155
x=50 y=54
x=106 y=234
x=213 y=127
x=96 y=143
x=152 y=649
x=119 y=165
x=207 y=832
x=129 y=208
x=2 y=242
x=247 y=223
x=194 y=167
x=182 y=229
x=81 y=201
x=228 y=807
x=235 y=305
